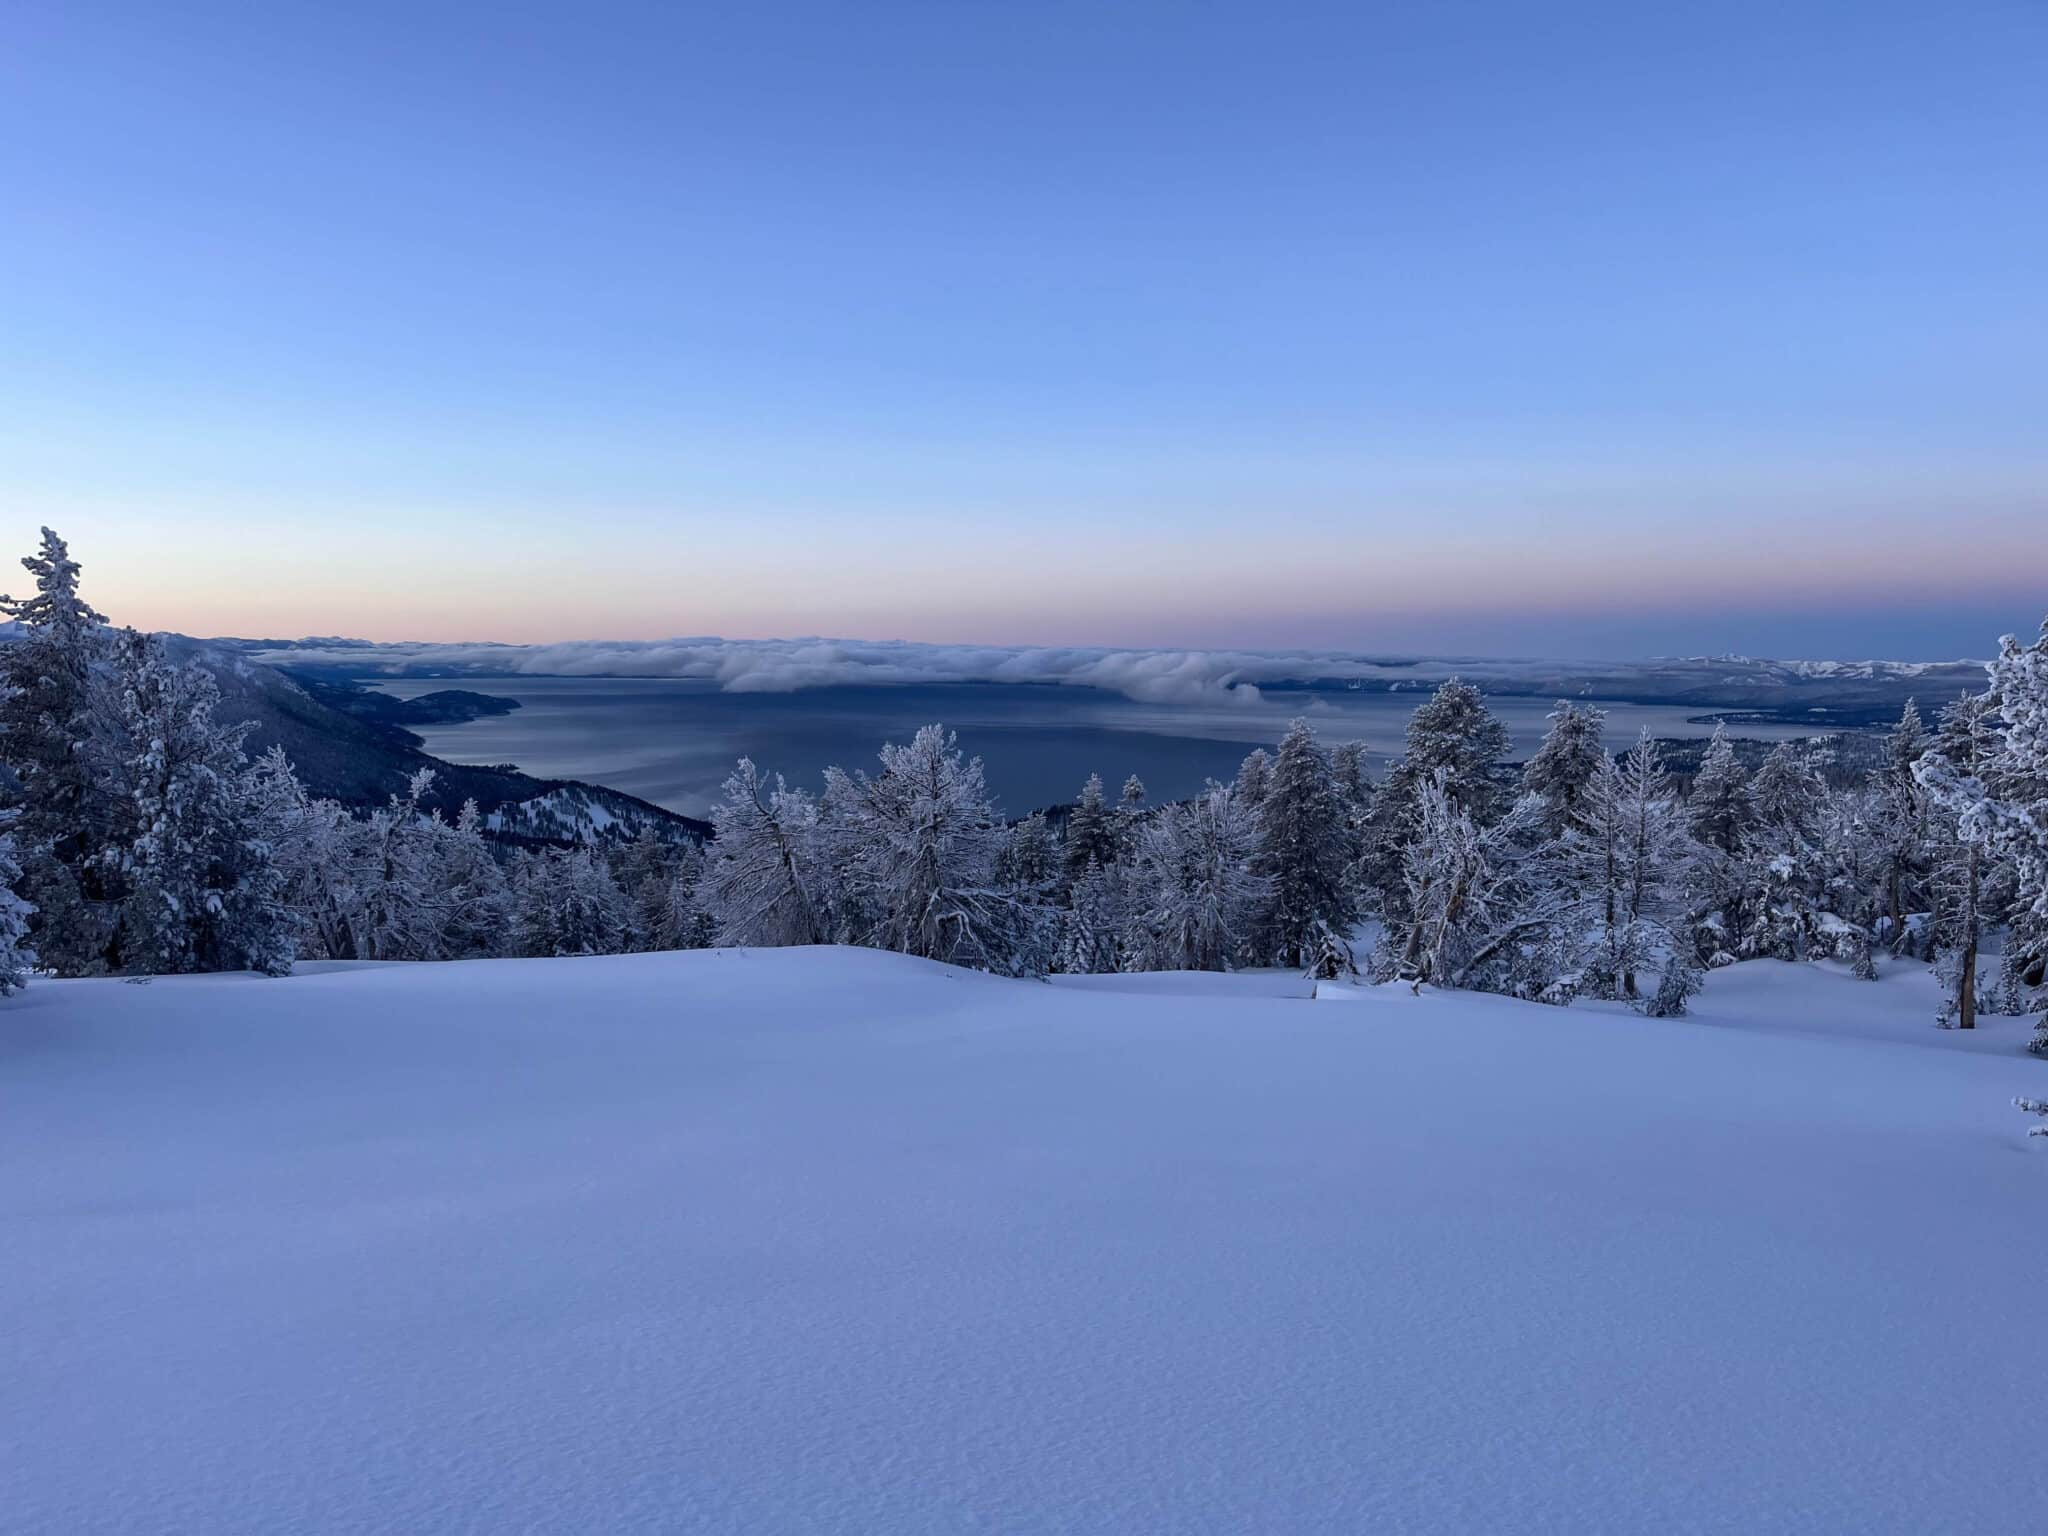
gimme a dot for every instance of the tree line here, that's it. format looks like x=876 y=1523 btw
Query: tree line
x=139 y=837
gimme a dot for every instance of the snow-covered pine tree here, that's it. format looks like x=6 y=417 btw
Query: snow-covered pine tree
x=1898 y=823
x=2001 y=805
x=318 y=850
x=1721 y=817
x=917 y=846
x=1130 y=814
x=1469 y=904
x=1625 y=872
x=1254 y=778
x=1347 y=767
x=66 y=817
x=760 y=871
x=1564 y=765
x=1091 y=833
x=1454 y=743
x=401 y=910
x=1304 y=851
x=643 y=865
x=1966 y=743
x=16 y=958
x=1194 y=889
x=684 y=923
x=1092 y=927
x=1719 y=805
x=202 y=890
x=1030 y=858
x=1849 y=847
x=476 y=904
x=1783 y=879
x=567 y=903
x=1786 y=795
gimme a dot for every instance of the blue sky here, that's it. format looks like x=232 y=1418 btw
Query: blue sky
x=1556 y=329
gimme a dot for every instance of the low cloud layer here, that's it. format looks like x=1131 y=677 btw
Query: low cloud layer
x=787 y=666
x=1150 y=677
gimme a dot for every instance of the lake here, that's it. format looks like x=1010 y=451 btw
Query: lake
x=673 y=741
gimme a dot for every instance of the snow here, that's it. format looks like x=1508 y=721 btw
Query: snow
x=832 y=1240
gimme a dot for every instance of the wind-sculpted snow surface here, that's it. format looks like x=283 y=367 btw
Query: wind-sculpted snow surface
x=829 y=1240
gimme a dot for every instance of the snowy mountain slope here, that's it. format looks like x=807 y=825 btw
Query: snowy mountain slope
x=362 y=761
x=833 y=1240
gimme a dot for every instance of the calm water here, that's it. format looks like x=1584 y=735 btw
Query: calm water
x=673 y=742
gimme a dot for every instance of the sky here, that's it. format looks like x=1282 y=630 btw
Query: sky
x=1550 y=329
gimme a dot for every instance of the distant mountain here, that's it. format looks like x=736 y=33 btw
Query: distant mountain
x=1826 y=695
x=445 y=706
x=360 y=753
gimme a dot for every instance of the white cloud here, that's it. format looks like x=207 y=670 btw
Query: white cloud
x=1149 y=677
x=787 y=666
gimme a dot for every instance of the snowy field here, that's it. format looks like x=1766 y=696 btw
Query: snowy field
x=834 y=1240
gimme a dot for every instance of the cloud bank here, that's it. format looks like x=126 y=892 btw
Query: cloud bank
x=787 y=666
x=1147 y=676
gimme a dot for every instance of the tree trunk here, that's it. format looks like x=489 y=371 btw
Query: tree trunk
x=1966 y=986
x=1966 y=999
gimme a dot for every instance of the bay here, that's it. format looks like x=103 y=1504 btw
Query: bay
x=673 y=741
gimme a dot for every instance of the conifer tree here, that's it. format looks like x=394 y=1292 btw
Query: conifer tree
x=1030 y=858
x=202 y=891
x=476 y=902
x=684 y=922
x=1719 y=803
x=1470 y=899
x=1090 y=832
x=1786 y=794
x=644 y=867
x=401 y=912
x=1254 y=779
x=1952 y=772
x=1899 y=823
x=1625 y=869
x=16 y=958
x=1304 y=852
x=917 y=845
x=567 y=903
x=2015 y=824
x=1347 y=767
x=1562 y=768
x=317 y=847
x=1988 y=770
x=759 y=877
x=1091 y=928
x=1196 y=890
x=1456 y=743
x=66 y=818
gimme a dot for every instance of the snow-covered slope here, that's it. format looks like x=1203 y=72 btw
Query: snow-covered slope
x=836 y=1241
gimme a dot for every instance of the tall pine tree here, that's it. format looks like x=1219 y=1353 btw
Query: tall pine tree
x=1304 y=852
x=66 y=818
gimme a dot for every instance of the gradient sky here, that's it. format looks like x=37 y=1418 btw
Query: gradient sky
x=1500 y=328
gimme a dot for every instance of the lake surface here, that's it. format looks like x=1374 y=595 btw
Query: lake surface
x=673 y=741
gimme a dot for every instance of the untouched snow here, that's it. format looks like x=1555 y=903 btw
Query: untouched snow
x=832 y=1240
